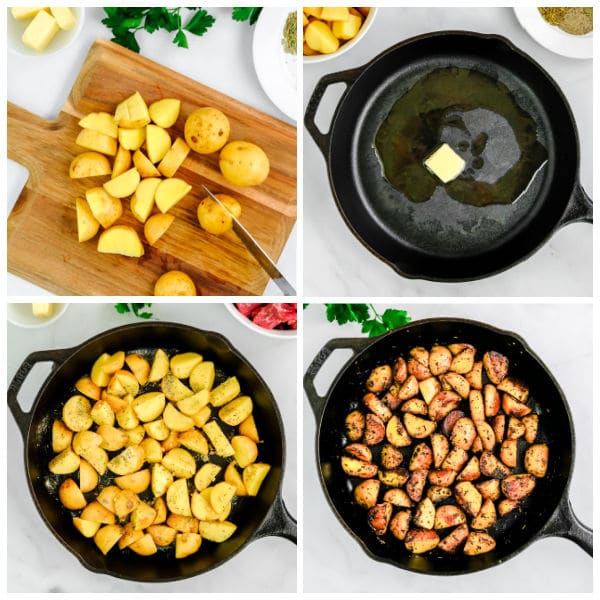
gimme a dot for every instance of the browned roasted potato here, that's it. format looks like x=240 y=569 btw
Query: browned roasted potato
x=536 y=460
x=508 y=453
x=499 y=425
x=409 y=388
x=416 y=485
x=456 y=459
x=495 y=365
x=355 y=425
x=475 y=375
x=419 y=541
x=476 y=406
x=511 y=406
x=471 y=470
x=425 y=512
x=442 y=404
x=374 y=430
x=380 y=379
x=448 y=515
x=395 y=479
x=429 y=388
x=420 y=354
x=416 y=406
x=417 y=427
x=398 y=497
x=491 y=400
x=516 y=388
x=486 y=434
x=440 y=447
x=440 y=359
x=358 y=468
x=463 y=433
x=468 y=496
x=400 y=524
x=531 y=426
x=486 y=516
x=516 y=429
x=458 y=383
x=489 y=489
x=479 y=542
x=360 y=451
x=418 y=370
x=396 y=433
x=458 y=347
x=442 y=477
x=491 y=467
x=399 y=370
x=377 y=407
x=505 y=506
x=391 y=397
x=379 y=517
x=516 y=487
x=453 y=541
x=450 y=420
x=421 y=458
x=463 y=361
x=437 y=493
x=366 y=492
x=390 y=457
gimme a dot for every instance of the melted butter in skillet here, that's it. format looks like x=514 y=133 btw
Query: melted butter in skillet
x=479 y=119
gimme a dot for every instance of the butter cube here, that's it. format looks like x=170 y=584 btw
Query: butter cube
x=25 y=12
x=445 y=164
x=42 y=310
x=40 y=31
x=64 y=16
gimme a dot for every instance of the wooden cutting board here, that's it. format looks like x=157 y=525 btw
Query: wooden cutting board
x=42 y=228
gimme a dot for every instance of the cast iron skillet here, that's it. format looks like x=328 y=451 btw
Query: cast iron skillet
x=256 y=517
x=547 y=512
x=442 y=239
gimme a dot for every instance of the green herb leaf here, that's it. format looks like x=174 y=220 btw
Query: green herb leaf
x=246 y=13
x=373 y=324
x=392 y=318
x=138 y=309
x=122 y=308
x=200 y=23
x=180 y=39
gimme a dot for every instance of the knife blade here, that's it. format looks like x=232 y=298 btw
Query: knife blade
x=255 y=249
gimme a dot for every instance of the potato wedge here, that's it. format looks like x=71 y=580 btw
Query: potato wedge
x=377 y=407
x=183 y=524
x=71 y=496
x=135 y=482
x=486 y=516
x=496 y=366
x=205 y=475
x=218 y=439
x=76 y=413
x=236 y=411
x=463 y=433
x=128 y=461
x=379 y=379
x=169 y=192
x=120 y=239
x=453 y=541
x=355 y=425
x=536 y=460
x=178 y=498
x=180 y=462
x=448 y=515
x=142 y=515
x=88 y=477
x=95 y=511
x=87 y=528
x=425 y=513
x=149 y=406
x=160 y=366
x=417 y=427
x=202 y=376
x=174 y=389
x=416 y=485
x=61 y=436
x=194 y=440
x=440 y=359
x=225 y=392
x=163 y=535
x=253 y=476
x=367 y=492
x=379 y=516
x=419 y=541
x=106 y=537
x=375 y=429
x=468 y=496
x=479 y=542
x=186 y=544
x=124 y=502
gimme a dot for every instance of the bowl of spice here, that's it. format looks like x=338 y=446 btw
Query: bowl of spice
x=566 y=30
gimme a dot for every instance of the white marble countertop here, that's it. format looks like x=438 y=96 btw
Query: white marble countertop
x=561 y=335
x=37 y=562
x=337 y=264
x=221 y=59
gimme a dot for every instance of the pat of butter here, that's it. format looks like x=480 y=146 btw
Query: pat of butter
x=64 y=16
x=25 y=12
x=40 y=31
x=42 y=310
x=445 y=164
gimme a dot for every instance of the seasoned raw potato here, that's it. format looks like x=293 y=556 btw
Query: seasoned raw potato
x=398 y=497
x=102 y=413
x=319 y=38
x=61 y=436
x=463 y=433
x=377 y=407
x=221 y=496
x=202 y=376
x=76 y=413
x=152 y=449
x=174 y=389
x=440 y=359
x=95 y=511
x=163 y=535
x=123 y=383
x=394 y=479
x=244 y=163
x=492 y=467
x=88 y=477
x=218 y=439
x=84 y=440
x=135 y=482
x=128 y=461
x=160 y=366
x=87 y=528
x=182 y=364
x=192 y=405
x=358 y=468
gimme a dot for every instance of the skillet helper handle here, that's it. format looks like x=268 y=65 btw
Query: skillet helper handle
x=580 y=208
x=565 y=524
x=322 y=139
x=317 y=402
x=23 y=418
x=279 y=522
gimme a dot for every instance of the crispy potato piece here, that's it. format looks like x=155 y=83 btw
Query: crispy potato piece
x=512 y=407
x=450 y=420
x=486 y=434
x=160 y=366
x=102 y=413
x=248 y=428
x=397 y=497
x=508 y=453
x=360 y=451
x=391 y=398
x=499 y=425
x=88 y=388
x=471 y=470
x=418 y=370
x=399 y=370
x=355 y=425
x=489 y=489
x=163 y=535
x=124 y=503
x=379 y=516
x=144 y=546
x=106 y=537
x=422 y=457
x=458 y=383
x=245 y=450
x=474 y=376
x=61 y=436
x=454 y=539
x=375 y=429
x=440 y=359
x=233 y=477
x=479 y=542
x=455 y=459
x=218 y=439
x=76 y=413
x=419 y=541
x=437 y=493
x=139 y=366
x=390 y=458
x=506 y=505
x=496 y=366
x=486 y=516
x=71 y=496
x=417 y=427
x=194 y=440
x=358 y=468
x=160 y=506
x=429 y=388
x=476 y=406
x=516 y=429
x=85 y=440
x=416 y=485
x=463 y=362
x=395 y=479
x=536 y=460
x=64 y=463
x=442 y=404
x=531 y=426
x=420 y=354
x=409 y=388
x=377 y=407
x=95 y=511
x=440 y=448
x=491 y=467
x=367 y=492
x=86 y=528
x=425 y=513
x=205 y=475
x=448 y=515
x=400 y=524
x=416 y=406
x=379 y=379
x=183 y=524
x=463 y=433
x=254 y=475
x=186 y=544
x=516 y=388
x=468 y=496
x=442 y=477
x=176 y=420
x=106 y=497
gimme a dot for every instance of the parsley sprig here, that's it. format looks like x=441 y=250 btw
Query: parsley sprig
x=137 y=309
x=125 y=22
x=373 y=323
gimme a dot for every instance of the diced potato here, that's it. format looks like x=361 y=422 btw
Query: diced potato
x=100 y=121
x=121 y=239
x=205 y=475
x=248 y=428
x=169 y=192
x=136 y=482
x=203 y=376
x=218 y=439
x=97 y=142
x=178 y=498
x=128 y=461
x=176 y=420
x=156 y=226
x=124 y=184
x=233 y=477
x=164 y=112
x=160 y=366
x=174 y=158
x=173 y=388
x=132 y=113
x=132 y=139
x=106 y=537
x=124 y=502
x=217 y=531
x=142 y=515
x=95 y=511
x=253 y=476
x=71 y=496
x=186 y=544
x=149 y=406
x=183 y=364
x=87 y=528
x=180 y=462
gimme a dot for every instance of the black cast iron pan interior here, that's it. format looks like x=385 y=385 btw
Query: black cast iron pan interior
x=252 y=515
x=513 y=532
x=443 y=239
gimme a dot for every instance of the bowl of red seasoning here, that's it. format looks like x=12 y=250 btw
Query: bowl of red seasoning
x=277 y=319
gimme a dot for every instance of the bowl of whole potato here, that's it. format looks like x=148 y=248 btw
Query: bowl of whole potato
x=332 y=30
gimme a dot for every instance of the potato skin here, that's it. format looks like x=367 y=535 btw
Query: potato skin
x=479 y=542
x=206 y=130
x=379 y=517
x=366 y=492
x=400 y=524
x=516 y=487
x=419 y=541
x=454 y=539
x=536 y=459
x=379 y=379
x=355 y=425
x=243 y=163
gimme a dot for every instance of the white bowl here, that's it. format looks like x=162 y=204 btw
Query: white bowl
x=15 y=29
x=345 y=47
x=21 y=314
x=275 y=333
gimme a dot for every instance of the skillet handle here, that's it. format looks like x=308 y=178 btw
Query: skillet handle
x=318 y=402
x=580 y=208
x=564 y=523
x=322 y=139
x=23 y=418
x=279 y=522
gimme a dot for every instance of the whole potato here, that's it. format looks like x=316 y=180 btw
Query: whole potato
x=206 y=130
x=244 y=163
x=174 y=283
x=213 y=218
